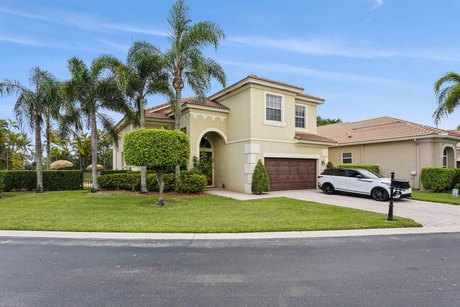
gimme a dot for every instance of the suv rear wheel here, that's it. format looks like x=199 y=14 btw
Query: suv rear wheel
x=379 y=194
x=328 y=188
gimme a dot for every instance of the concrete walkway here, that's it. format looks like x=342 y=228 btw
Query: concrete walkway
x=426 y=213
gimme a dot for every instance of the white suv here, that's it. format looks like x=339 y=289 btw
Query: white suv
x=361 y=181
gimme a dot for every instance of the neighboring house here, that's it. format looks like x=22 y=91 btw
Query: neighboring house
x=392 y=144
x=253 y=119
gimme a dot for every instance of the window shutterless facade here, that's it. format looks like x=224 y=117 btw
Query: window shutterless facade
x=300 y=117
x=347 y=158
x=273 y=108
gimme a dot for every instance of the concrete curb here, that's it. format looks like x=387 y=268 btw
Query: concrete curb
x=226 y=236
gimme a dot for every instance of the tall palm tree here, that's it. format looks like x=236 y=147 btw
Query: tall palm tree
x=448 y=96
x=91 y=94
x=141 y=76
x=185 y=61
x=30 y=106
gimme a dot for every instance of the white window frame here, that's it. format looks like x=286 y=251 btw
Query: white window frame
x=305 y=117
x=281 y=123
x=351 y=158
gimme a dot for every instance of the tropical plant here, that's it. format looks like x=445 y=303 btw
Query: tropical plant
x=141 y=76
x=158 y=149
x=185 y=61
x=31 y=105
x=92 y=93
x=447 y=91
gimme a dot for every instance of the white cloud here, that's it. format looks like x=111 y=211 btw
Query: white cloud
x=377 y=4
x=339 y=48
x=322 y=74
x=82 y=21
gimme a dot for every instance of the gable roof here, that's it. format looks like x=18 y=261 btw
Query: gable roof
x=160 y=111
x=265 y=82
x=379 y=129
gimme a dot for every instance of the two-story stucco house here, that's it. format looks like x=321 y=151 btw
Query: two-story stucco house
x=253 y=119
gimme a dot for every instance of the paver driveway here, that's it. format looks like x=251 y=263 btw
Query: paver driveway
x=426 y=213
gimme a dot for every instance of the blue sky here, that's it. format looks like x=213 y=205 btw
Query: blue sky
x=367 y=58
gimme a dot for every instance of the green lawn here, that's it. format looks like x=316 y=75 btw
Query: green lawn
x=83 y=211
x=435 y=197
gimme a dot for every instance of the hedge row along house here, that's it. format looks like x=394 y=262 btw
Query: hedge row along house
x=255 y=118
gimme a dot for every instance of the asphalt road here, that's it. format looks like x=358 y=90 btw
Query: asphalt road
x=406 y=270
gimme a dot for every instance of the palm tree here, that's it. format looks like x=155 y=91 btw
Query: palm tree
x=143 y=75
x=92 y=94
x=31 y=105
x=448 y=97
x=184 y=60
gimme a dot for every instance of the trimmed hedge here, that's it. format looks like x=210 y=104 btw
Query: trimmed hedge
x=159 y=149
x=371 y=167
x=439 y=179
x=52 y=180
x=113 y=171
x=131 y=181
x=191 y=182
x=121 y=181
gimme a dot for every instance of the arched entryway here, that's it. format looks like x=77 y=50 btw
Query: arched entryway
x=211 y=150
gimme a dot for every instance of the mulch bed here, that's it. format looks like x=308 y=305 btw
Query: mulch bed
x=166 y=195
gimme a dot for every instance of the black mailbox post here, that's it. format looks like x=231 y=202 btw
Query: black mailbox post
x=396 y=186
x=390 y=206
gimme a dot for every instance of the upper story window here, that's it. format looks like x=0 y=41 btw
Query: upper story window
x=273 y=108
x=347 y=158
x=300 y=117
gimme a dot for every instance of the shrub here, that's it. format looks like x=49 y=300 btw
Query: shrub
x=112 y=171
x=457 y=186
x=371 y=167
x=159 y=149
x=191 y=183
x=62 y=180
x=169 y=182
x=329 y=165
x=122 y=181
x=52 y=180
x=260 y=182
x=439 y=179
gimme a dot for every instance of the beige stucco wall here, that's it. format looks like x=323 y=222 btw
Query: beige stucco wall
x=402 y=157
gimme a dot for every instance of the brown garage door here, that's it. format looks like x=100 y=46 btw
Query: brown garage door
x=291 y=174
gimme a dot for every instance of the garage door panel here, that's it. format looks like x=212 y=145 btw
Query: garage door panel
x=290 y=174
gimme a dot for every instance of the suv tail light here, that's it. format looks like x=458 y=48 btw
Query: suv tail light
x=320 y=176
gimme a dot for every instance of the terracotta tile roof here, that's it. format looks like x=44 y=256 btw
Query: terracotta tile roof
x=275 y=82
x=381 y=128
x=203 y=102
x=153 y=112
x=312 y=137
x=157 y=115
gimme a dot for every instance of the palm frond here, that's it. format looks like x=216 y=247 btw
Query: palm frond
x=202 y=34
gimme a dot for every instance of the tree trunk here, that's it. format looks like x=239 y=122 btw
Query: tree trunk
x=38 y=153
x=177 y=115
x=94 y=144
x=161 y=185
x=142 y=126
x=48 y=143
